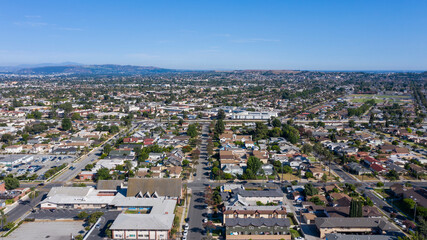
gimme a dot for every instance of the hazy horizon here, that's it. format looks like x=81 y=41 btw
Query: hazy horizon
x=220 y=35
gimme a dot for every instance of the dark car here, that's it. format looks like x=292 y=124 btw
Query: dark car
x=389 y=209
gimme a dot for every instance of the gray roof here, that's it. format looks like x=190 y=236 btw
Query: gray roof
x=263 y=193
x=167 y=187
x=70 y=191
x=337 y=236
x=256 y=222
x=157 y=205
x=108 y=184
x=381 y=223
x=143 y=222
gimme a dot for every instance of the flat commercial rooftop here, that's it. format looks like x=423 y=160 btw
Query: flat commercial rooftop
x=52 y=230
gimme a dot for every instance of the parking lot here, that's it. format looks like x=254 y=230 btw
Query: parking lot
x=58 y=214
x=53 y=230
x=53 y=214
x=36 y=164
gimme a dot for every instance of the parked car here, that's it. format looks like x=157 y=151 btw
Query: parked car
x=389 y=209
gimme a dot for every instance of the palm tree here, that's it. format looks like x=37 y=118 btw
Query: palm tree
x=3 y=218
x=128 y=165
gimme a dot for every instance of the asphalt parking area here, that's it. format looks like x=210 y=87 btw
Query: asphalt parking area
x=54 y=214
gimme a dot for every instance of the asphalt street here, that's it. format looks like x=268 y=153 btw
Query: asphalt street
x=197 y=210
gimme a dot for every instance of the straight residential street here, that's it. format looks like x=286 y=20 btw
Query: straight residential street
x=197 y=209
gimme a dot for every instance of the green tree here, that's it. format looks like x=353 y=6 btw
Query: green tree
x=287 y=169
x=25 y=137
x=290 y=133
x=306 y=148
x=221 y=114
x=254 y=164
x=356 y=208
x=91 y=116
x=103 y=174
x=82 y=215
x=36 y=114
x=219 y=127
x=66 y=124
x=11 y=183
x=261 y=131
x=192 y=130
x=9 y=226
x=308 y=175
x=325 y=178
x=107 y=149
x=7 y=138
x=3 y=218
x=276 y=123
x=78 y=237
x=127 y=121
x=76 y=116
x=409 y=203
x=369 y=202
x=114 y=129
x=392 y=175
x=186 y=149
x=67 y=107
x=185 y=163
x=310 y=190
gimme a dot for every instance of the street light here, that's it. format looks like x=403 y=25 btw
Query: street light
x=415 y=209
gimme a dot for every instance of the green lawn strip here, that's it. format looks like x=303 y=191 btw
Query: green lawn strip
x=294 y=233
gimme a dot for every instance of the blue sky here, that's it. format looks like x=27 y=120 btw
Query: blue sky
x=282 y=34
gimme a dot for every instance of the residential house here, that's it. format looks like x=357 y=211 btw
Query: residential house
x=356 y=168
x=317 y=171
x=261 y=155
x=174 y=171
x=41 y=148
x=417 y=170
x=14 y=149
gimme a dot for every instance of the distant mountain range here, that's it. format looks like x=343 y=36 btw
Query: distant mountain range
x=76 y=68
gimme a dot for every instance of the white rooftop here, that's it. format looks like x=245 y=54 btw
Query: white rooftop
x=143 y=222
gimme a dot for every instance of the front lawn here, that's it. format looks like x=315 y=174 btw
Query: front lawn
x=288 y=177
x=365 y=178
x=294 y=233
x=382 y=192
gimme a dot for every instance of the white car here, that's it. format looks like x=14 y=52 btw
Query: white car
x=186 y=226
x=205 y=220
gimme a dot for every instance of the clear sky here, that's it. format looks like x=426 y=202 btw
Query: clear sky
x=215 y=34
